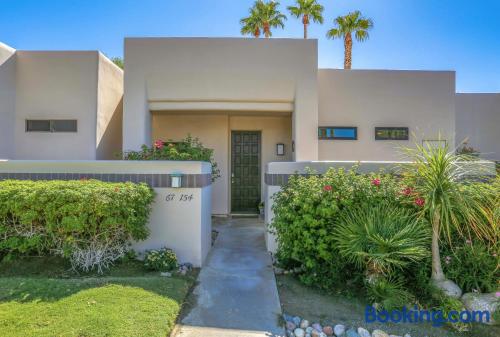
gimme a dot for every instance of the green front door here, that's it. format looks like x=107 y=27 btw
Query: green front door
x=245 y=171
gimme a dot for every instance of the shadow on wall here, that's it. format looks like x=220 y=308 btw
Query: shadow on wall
x=7 y=105
x=112 y=140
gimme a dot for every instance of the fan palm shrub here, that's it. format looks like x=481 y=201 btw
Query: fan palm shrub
x=308 y=10
x=263 y=15
x=345 y=26
x=445 y=202
x=381 y=239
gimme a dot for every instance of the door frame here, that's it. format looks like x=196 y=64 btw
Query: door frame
x=230 y=168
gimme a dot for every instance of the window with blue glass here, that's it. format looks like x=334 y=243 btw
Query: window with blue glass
x=338 y=132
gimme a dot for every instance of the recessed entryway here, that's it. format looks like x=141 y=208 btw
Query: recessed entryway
x=245 y=171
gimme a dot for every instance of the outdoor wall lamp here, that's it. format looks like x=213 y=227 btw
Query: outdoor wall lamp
x=175 y=181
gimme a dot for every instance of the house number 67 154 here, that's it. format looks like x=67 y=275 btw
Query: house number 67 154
x=182 y=197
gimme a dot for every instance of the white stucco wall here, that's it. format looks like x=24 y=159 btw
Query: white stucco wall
x=211 y=74
x=56 y=85
x=183 y=226
x=478 y=122
x=7 y=100
x=423 y=101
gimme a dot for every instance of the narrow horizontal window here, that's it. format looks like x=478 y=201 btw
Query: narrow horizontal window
x=51 y=125
x=392 y=133
x=338 y=132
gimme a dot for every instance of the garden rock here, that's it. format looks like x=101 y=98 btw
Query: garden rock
x=394 y=336
x=351 y=333
x=166 y=274
x=296 y=320
x=328 y=330
x=339 y=330
x=290 y=326
x=449 y=287
x=317 y=326
x=299 y=332
x=315 y=333
x=309 y=329
x=481 y=302
x=304 y=324
x=362 y=332
x=379 y=333
x=407 y=335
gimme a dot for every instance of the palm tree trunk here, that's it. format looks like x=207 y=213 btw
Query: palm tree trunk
x=267 y=30
x=347 y=51
x=437 y=270
x=305 y=22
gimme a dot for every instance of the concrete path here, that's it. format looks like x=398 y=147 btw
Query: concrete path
x=236 y=294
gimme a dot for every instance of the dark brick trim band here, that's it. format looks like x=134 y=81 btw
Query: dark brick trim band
x=152 y=179
x=279 y=179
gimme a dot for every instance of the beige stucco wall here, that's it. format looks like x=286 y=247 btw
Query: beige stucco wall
x=56 y=85
x=478 y=122
x=109 y=109
x=211 y=74
x=7 y=100
x=214 y=131
x=420 y=100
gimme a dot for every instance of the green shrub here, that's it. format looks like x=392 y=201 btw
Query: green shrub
x=473 y=266
x=163 y=259
x=306 y=213
x=185 y=150
x=388 y=293
x=381 y=239
x=88 y=221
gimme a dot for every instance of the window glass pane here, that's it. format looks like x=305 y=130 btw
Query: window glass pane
x=38 y=125
x=344 y=133
x=64 y=126
x=391 y=133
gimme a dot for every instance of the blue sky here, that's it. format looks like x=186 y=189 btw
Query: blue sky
x=461 y=35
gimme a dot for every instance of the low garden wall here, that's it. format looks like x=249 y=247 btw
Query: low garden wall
x=278 y=173
x=181 y=216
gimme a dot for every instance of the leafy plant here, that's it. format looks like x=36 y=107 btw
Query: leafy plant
x=163 y=259
x=186 y=149
x=263 y=15
x=444 y=202
x=88 y=221
x=381 y=239
x=473 y=266
x=388 y=293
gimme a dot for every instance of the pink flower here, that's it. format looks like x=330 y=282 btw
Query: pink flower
x=158 y=144
x=407 y=191
x=376 y=182
x=327 y=188
x=420 y=202
x=497 y=294
x=494 y=255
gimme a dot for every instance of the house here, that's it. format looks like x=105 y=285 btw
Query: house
x=59 y=105
x=253 y=101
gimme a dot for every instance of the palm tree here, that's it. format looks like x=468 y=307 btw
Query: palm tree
x=251 y=25
x=444 y=202
x=308 y=9
x=263 y=15
x=345 y=26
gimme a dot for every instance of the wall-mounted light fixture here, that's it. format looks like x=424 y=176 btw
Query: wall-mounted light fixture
x=176 y=180
x=280 y=149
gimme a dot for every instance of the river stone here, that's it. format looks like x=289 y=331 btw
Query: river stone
x=287 y=318
x=481 y=302
x=339 y=330
x=379 y=333
x=290 y=326
x=449 y=287
x=362 y=332
x=351 y=333
x=315 y=333
x=296 y=320
x=407 y=335
x=309 y=329
x=304 y=324
x=394 y=336
x=328 y=330
x=317 y=326
x=299 y=332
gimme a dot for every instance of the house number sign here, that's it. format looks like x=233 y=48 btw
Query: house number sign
x=181 y=197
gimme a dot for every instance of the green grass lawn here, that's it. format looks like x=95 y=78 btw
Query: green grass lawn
x=40 y=297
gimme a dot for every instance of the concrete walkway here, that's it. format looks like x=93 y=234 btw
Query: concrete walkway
x=236 y=294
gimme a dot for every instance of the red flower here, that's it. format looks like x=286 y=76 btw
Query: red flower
x=376 y=182
x=407 y=191
x=420 y=202
x=327 y=188
x=158 y=144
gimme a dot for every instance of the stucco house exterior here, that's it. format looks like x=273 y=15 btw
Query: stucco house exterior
x=254 y=101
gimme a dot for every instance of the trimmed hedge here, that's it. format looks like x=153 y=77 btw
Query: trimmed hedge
x=89 y=221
